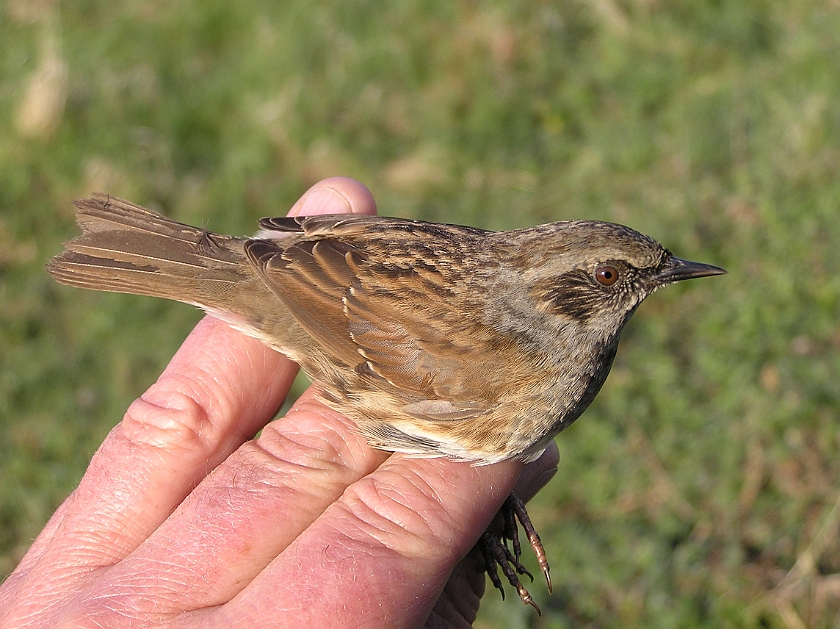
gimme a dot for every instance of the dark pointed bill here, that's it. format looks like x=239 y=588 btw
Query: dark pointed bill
x=676 y=269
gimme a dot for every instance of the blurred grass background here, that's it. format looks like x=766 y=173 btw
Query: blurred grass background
x=702 y=489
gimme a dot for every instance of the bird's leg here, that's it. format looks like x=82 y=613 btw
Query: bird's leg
x=515 y=504
x=495 y=551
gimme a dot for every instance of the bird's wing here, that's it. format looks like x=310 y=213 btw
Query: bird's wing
x=391 y=310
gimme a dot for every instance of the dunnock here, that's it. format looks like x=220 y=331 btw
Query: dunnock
x=437 y=340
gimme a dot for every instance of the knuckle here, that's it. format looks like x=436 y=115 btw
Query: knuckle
x=398 y=510
x=179 y=421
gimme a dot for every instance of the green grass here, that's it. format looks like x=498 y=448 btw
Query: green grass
x=708 y=465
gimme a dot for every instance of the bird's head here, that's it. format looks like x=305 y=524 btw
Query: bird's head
x=597 y=273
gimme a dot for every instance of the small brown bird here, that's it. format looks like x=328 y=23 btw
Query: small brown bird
x=437 y=340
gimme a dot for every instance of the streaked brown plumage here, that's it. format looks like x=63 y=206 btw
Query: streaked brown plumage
x=437 y=340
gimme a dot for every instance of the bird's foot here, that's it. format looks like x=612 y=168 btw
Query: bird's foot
x=495 y=550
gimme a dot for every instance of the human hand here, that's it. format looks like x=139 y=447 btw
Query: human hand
x=183 y=520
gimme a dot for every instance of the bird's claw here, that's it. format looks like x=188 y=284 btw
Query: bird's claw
x=495 y=551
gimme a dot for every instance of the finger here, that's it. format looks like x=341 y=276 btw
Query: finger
x=254 y=505
x=458 y=603
x=219 y=389
x=409 y=522
x=248 y=510
x=336 y=195
x=536 y=474
x=169 y=439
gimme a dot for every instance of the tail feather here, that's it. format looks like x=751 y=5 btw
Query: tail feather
x=129 y=249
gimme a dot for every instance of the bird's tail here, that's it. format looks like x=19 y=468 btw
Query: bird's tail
x=128 y=249
x=125 y=248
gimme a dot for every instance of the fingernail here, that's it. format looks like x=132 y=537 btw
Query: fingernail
x=322 y=201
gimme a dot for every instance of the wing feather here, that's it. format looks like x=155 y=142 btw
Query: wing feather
x=375 y=300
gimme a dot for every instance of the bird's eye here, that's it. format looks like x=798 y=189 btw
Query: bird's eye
x=606 y=275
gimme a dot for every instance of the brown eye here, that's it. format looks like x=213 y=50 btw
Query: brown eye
x=606 y=275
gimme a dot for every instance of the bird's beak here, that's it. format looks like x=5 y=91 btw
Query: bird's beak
x=677 y=269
